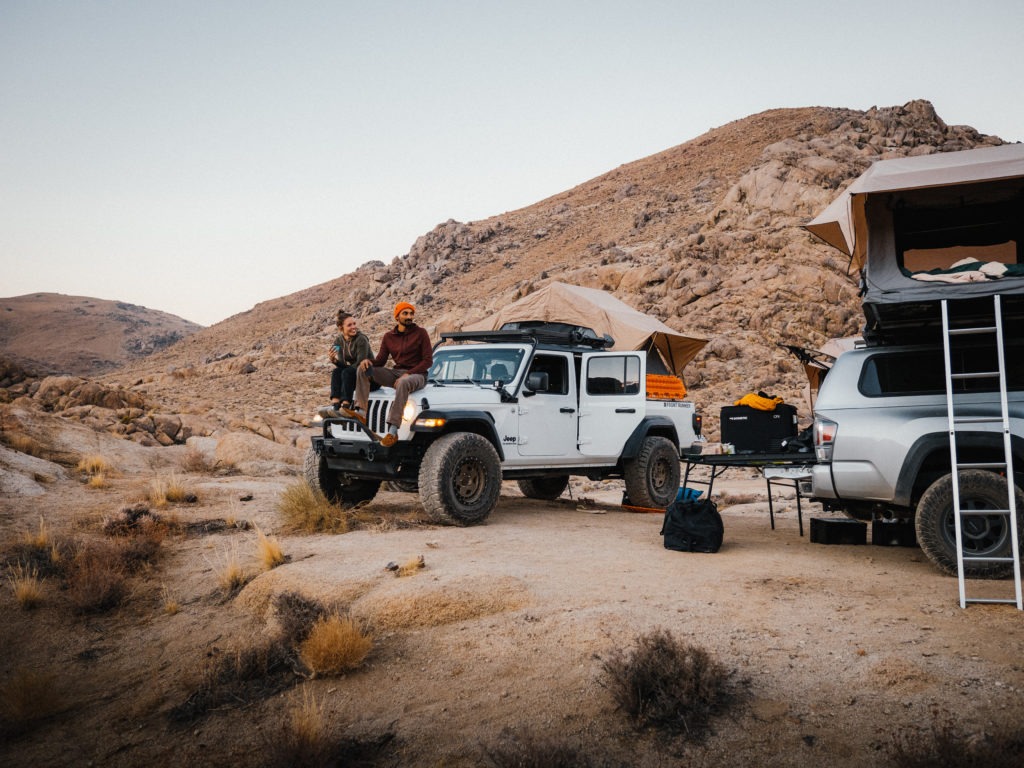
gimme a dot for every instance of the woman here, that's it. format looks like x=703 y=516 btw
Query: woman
x=350 y=348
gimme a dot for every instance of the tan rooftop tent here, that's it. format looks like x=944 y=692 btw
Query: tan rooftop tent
x=603 y=313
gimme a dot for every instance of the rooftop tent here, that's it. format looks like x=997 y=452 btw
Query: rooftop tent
x=943 y=226
x=603 y=313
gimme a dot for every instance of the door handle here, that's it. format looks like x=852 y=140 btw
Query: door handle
x=625 y=410
x=567 y=410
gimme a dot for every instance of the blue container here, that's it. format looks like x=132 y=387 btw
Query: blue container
x=688 y=494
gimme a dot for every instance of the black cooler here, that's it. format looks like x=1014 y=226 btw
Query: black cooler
x=756 y=431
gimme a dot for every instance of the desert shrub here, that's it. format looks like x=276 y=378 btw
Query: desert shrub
x=230 y=576
x=308 y=510
x=296 y=614
x=335 y=644
x=28 y=589
x=41 y=538
x=96 y=579
x=531 y=751
x=27 y=696
x=195 y=460
x=97 y=482
x=945 y=746
x=411 y=566
x=667 y=684
x=268 y=550
x=171 y=604
x=170 y=490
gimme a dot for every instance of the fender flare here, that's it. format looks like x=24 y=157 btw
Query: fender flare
x=478 y=422
x=657 y=425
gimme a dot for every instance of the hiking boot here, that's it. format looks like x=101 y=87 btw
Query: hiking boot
x=388 y=440
x=329 y=412
x=354 y=414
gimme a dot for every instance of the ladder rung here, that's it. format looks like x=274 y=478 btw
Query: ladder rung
x=977 y=419
x=1009 y=600
x=983 y=512
x=987 y=559
x=978 y=375
x=983 y=465
x=977 y=329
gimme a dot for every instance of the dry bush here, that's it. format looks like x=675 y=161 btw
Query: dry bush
x=667 y=684
x=96 y=579
x=24 y=444
x=171 y=604
x=230 y=576
x=195 y=460
x=269 y=550
x=308 y=510
x=336 y=644
x=411 y=566
x=94 y=464
x=303 y=738
x=97 y=481
x=28 y=589
x=529 y=750
x=170 y=490
x=41 y=538
x=26 y=697
x=945 y=746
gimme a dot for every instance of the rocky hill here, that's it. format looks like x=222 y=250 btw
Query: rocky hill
x=51 y=333
x=706 y=236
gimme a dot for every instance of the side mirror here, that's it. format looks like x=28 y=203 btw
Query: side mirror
x=536 y=382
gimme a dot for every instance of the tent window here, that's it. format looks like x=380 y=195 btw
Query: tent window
x=937 y=238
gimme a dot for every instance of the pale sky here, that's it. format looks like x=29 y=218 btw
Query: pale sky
x=201 y=156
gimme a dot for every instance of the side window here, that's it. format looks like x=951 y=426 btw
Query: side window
x=613 y=375
x=924 y=372
x=557 y=369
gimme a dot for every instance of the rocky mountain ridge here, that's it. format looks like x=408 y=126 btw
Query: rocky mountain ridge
x=706 y=236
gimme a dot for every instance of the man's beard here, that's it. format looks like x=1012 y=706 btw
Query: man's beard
x=409 y=323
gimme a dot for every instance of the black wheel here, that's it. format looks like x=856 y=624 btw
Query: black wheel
x=982 y=535
x=652 y=478
x=460 y=479
x=546 y=488
x=333 y=485
x=401 y=486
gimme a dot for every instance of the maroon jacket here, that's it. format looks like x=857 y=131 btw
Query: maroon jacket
x=411 y=351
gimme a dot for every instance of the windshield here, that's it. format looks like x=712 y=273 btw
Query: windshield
x=478 y=365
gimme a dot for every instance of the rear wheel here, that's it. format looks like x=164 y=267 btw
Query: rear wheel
x=332 y=484
x=460 y=479
x=546 y=488
x=652 y=478
x=982 y=535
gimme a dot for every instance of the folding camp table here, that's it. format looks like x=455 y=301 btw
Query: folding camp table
x=786 y=469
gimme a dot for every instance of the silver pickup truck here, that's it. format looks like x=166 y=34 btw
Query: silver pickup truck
x=881 y=434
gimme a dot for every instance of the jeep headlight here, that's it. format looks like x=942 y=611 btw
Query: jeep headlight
x=409 y=411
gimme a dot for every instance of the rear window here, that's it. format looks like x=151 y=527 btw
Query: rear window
x=923 y=372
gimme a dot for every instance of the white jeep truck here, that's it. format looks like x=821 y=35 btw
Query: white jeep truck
x=534 y=405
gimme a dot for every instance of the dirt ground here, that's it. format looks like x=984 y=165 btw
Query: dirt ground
x=499 y=638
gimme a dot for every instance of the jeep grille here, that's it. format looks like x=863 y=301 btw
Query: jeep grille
x=376 y=419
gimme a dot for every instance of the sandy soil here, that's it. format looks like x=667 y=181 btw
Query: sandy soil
x=500 y=636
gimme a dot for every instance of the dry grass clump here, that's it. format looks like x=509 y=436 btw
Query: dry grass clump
x=97 y=482
x=269 y=550
x=947 y=746
x=28 y=588
x=27 y=696
x=171 y=604
x=335 y=644
x=667 y=684
x=230 y=576
x=96 y=578
x=24 y=444
x=170 y=490
x=41 y=538
x=411 y=566
x=94 y=464
x=196 y=461
x=308 y=510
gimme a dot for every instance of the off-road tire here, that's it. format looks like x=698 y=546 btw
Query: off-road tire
x=460 y=479
x=987 y=535
x=545 y=488
x=652 y=478
x=337 y=489
x=401 y=486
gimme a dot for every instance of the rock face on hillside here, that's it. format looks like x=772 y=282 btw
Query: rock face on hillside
x=50 y=333
x=706 y=236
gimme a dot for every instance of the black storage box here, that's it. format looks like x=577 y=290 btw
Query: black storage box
x=755 y=431
x=893 y=533
x=838 y=530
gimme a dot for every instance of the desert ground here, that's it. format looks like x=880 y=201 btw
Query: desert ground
x=834 y=652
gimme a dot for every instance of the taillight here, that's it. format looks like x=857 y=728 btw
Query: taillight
x=824 y=438
x=698 y=423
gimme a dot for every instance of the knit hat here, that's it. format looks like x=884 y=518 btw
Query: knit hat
x=403 y=305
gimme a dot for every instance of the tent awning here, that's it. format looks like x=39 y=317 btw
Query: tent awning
x=602 y=312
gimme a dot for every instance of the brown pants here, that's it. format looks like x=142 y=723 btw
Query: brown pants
x=404 y=383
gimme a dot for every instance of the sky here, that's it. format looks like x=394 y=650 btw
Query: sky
x=201 y=156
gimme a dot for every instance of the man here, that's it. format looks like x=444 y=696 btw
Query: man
x=408 y=345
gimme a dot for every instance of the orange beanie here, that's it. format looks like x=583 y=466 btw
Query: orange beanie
x=403 y=305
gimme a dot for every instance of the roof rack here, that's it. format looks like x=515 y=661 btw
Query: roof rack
x=573 y=337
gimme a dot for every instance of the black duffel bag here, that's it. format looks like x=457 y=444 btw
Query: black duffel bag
x=693 y=525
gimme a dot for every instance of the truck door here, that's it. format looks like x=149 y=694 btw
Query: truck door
x=612 y=401
x=547 y=420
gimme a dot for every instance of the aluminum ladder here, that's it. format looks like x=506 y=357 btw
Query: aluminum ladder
x=1005 y=467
